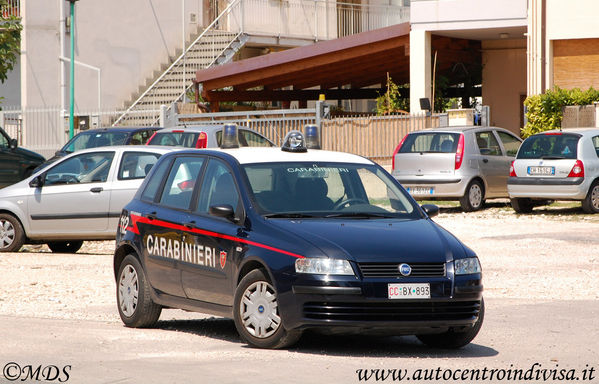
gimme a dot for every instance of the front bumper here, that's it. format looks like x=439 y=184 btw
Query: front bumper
x=548 y=188
x=348 y=303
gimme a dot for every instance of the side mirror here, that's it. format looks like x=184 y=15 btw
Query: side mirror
x=13 y=143
x=223 y=210
x=37 y=182
x=431 y=210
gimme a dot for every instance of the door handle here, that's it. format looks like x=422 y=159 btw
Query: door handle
x=96 y=189
x=485 y=160
x=190 y=225
x=151 y=216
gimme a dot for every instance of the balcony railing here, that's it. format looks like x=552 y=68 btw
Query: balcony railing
x=11 y=9
x=316 y=19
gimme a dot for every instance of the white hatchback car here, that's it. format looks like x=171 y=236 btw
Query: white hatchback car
x=556 y=165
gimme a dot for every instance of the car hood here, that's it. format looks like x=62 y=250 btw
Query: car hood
x=419 y=240
x=30 y=155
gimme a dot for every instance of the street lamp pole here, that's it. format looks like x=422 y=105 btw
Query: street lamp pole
x=72 y=77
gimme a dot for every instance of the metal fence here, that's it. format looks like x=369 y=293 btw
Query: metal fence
x=12 y=8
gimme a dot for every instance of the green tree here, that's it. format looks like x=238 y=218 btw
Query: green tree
x=10 y=40
x=392 y=101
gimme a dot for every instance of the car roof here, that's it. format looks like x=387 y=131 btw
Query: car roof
x=461 y=128
x=120 y=148
x=195 y=128
x=116 y=129
x=584 y=131
x=252 y=155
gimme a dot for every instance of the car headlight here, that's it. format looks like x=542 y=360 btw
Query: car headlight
x=467 y=266
x=322 y=266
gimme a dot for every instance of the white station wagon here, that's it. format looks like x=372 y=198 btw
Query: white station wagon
x=556 y=165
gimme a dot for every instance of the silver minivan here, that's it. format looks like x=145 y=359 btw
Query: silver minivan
x=469 y=164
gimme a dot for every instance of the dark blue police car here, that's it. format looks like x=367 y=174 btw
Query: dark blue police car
x=286 y=239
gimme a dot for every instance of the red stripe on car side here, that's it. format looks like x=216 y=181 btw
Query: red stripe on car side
x=140 y=219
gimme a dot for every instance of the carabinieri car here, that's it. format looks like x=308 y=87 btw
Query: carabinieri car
x=287 y=239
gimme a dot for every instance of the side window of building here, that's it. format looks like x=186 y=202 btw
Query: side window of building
x=181 y=181
x=86 y=168
x=510 y=143
x=136 y=165
x=218 y=188
x=487 y=144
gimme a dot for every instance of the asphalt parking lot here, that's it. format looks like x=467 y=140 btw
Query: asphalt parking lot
x=541 y=275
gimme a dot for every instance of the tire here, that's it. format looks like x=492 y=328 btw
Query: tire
x=454 y=340
x=65 y=246
x=590 y=204
x=12 y=235
x=256 y=313
x=474 y=198
x=522 y=205
x=140 y=311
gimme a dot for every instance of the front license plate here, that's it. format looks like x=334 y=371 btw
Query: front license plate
x=409 y=291
x=421 y=190
x=541 y=170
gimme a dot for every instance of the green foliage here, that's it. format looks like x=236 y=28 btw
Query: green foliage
x=544 y=112
x=10 y=41
x=392 y=101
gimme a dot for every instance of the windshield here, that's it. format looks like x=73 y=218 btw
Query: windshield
x=550 y=146
x=175 y=139
x=94 y=140
x=443 y=142
x=327 y=190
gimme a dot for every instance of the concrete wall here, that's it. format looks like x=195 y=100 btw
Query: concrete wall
x=10 y=90
x=572 y=19
x=504 y=81
x=128 y=40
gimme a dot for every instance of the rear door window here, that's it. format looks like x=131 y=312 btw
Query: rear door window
x=487 y=143
x=595 y=141
x=440 y=142
x=550 y=146
x=181 y=181
x=136 y=165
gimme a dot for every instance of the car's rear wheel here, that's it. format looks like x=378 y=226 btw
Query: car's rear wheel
x=65 y=246
x=452 y=339
x=256 y=313
x=590 y=204
x=12 y=235
x=474 y=198
x=135 y=305
x=522 y=205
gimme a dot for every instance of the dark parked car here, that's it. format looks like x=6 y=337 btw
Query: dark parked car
x=102 y=138
x=15 y=163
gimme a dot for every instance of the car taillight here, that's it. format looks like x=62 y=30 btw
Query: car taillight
x=150 y=139
x=202 y=140
x=459 y=153
x=395 y=152
x=577 y=170
x=512 y=170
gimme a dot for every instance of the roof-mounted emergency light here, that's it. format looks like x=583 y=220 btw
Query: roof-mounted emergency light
x=312 y=136
x=294 y=142
x=230 y=138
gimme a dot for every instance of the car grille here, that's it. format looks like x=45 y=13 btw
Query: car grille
x=392 y=269
x=392 y=311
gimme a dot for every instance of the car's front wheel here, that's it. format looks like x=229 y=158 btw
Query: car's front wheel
x=590 y=204
x=65 y=246
x=12 y=235
x=474 y=198
x=136 y=307
x=256 y=313
x=452 y=339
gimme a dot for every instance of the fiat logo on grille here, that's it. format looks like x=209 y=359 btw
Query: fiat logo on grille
x=405 y=269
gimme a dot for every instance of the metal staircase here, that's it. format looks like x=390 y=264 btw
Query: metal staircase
x=216 y=45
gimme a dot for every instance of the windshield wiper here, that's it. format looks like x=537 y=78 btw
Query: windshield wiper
x=553 y=157
x=293 y=215
x=361 y=215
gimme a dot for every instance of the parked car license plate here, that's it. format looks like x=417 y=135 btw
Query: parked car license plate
x=409 y=291
x=541 y=170
x=421 y=190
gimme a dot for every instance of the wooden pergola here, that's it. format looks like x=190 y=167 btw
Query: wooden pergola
x=351 y=67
